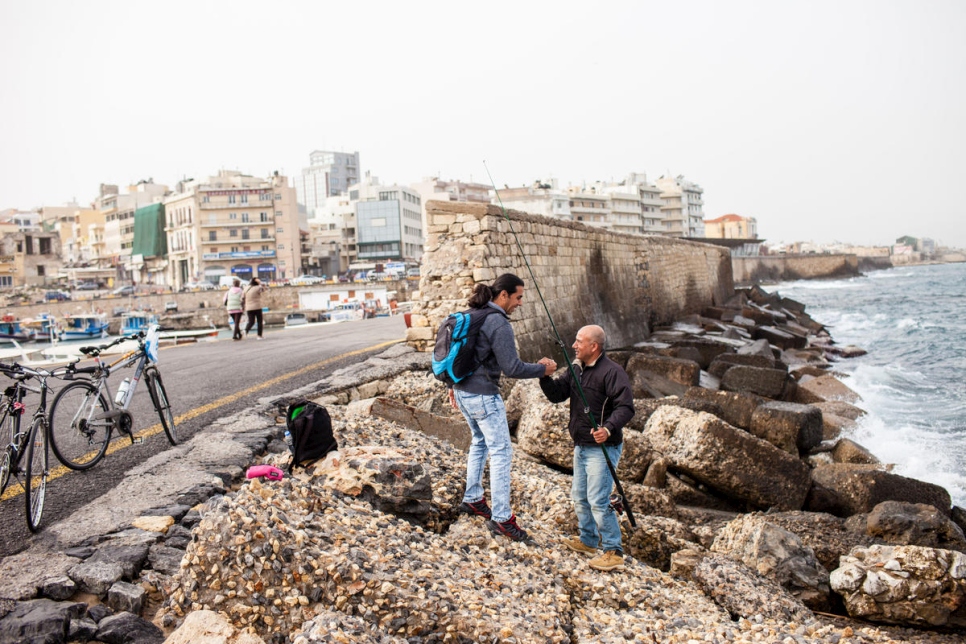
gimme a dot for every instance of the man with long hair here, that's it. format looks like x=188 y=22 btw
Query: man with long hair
x=478 y=398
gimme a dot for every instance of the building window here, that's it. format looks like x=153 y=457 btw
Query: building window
x=263 y=216
x=245 y=234
x=281 y=246
x=233 y=232
x=265 y=233
x=212 y=235
x=278 y=213
x=279 y=230
x=231 y=198
x=245 y=218
x=40 y=270
x=233 y=215
x=244 y=198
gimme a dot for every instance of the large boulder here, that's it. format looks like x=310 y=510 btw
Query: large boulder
x=728 y=459
x=39 y=621
x=908 y=585
x=542 y=431
x=828 y=536
x=848 y=451
x=726 y=361
x=914 y=524
x=744 y=593
x=777 y=554
x=844 y=489
x=211 y=628
x=789 y=426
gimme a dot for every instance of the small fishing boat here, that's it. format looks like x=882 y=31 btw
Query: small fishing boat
x=135 y=321
x=80 y=326
x=45 y=328
x=12 y=329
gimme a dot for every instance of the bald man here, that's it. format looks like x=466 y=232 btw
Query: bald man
x=608 y=393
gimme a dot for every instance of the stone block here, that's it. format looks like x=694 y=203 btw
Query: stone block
x=123 y=596
x=685 y=372
x=726 y=361
x=824 y=389
x=764 y=382
x=778 y=337
x=848 y=451
x=728 y=459
x=792 y=427
x=844 y=489
x=737 y=407
x=96 y=577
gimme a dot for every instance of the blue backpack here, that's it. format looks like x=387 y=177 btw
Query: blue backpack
x=454 y=356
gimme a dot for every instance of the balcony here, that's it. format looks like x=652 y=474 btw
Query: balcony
x=239 y=254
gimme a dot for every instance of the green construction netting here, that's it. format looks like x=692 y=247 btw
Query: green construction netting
x=149 y=237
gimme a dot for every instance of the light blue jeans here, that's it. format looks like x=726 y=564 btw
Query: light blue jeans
x=591 y=491
x=486 y=416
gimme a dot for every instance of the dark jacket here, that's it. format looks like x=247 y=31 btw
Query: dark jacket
x=609 y=396
x=496 y=349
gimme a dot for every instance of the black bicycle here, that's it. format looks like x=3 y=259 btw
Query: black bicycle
x=84 y=413
x=27 y=454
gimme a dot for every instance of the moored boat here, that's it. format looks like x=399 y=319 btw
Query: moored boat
x=80 y=326
x=135 y=321
x=44 y=328
x=296 y=319
x=12 y=329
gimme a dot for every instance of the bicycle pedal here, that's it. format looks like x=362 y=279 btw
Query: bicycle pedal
x=137 y=440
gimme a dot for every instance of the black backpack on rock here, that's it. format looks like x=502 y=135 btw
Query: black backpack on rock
x=311 y=429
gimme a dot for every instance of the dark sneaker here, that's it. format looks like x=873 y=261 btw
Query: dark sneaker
x=476 y=508
x=509 y=529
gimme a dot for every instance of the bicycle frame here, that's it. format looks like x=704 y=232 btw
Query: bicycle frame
x=103 y=372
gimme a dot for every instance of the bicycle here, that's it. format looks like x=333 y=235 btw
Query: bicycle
x=31 y=444
x=82 y=417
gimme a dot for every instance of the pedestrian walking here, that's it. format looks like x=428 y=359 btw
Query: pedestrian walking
x=609 y=397
x=478 y=398
x=253 y=306
x=233 y=302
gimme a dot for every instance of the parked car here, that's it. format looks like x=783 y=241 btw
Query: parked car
x=412 y=272
x=374 y=276
x=85 y=285
x=197 y=286
x=171 y=307
x=56 y=296
x=307 y=279
x=124 y=290
x=344 y=278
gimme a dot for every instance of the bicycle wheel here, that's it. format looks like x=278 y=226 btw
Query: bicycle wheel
x=35 y=485
x=9 y=428
x=78 y=439
x=152 y=378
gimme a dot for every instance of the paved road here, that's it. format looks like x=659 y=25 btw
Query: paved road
x=205 y=381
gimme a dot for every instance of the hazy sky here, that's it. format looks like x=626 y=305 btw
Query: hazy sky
x=826 y=121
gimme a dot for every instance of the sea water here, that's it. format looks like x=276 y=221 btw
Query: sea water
x=912 y=322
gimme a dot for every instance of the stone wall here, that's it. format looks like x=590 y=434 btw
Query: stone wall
x=778 y=268
x=628 y=284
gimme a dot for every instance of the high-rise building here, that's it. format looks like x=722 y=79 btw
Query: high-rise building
x=329 y=174
x=389 y=222
x=731 y=227
x=232 y=224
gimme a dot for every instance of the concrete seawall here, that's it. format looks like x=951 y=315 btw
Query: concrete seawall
x=777 y=268
x=626 y=283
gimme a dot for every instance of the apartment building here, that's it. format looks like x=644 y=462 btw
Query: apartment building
x=541 y=198
x=232 y=224
x=589 y=207
x=29 y=259
x=110 y=246
x=332 y=237
x=682 y=210
x=389 y=222
x=329 y=174
x=731 y=227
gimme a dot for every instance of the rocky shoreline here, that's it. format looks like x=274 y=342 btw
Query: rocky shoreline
x=757 y=521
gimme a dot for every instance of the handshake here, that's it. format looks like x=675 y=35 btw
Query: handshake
x=549 y=366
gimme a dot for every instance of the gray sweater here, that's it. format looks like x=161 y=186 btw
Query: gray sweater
x=496 y=350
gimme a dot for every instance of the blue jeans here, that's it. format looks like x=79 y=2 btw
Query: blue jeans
x=591 y=491
x=486 y=416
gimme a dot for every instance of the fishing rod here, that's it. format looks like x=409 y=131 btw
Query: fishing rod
x=563 y=348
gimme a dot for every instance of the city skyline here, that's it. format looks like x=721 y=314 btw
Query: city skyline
x=823 y=121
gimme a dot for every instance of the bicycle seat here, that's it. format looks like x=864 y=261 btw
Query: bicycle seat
x=92 y=351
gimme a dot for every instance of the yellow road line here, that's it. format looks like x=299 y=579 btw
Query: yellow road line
x=121 y=442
